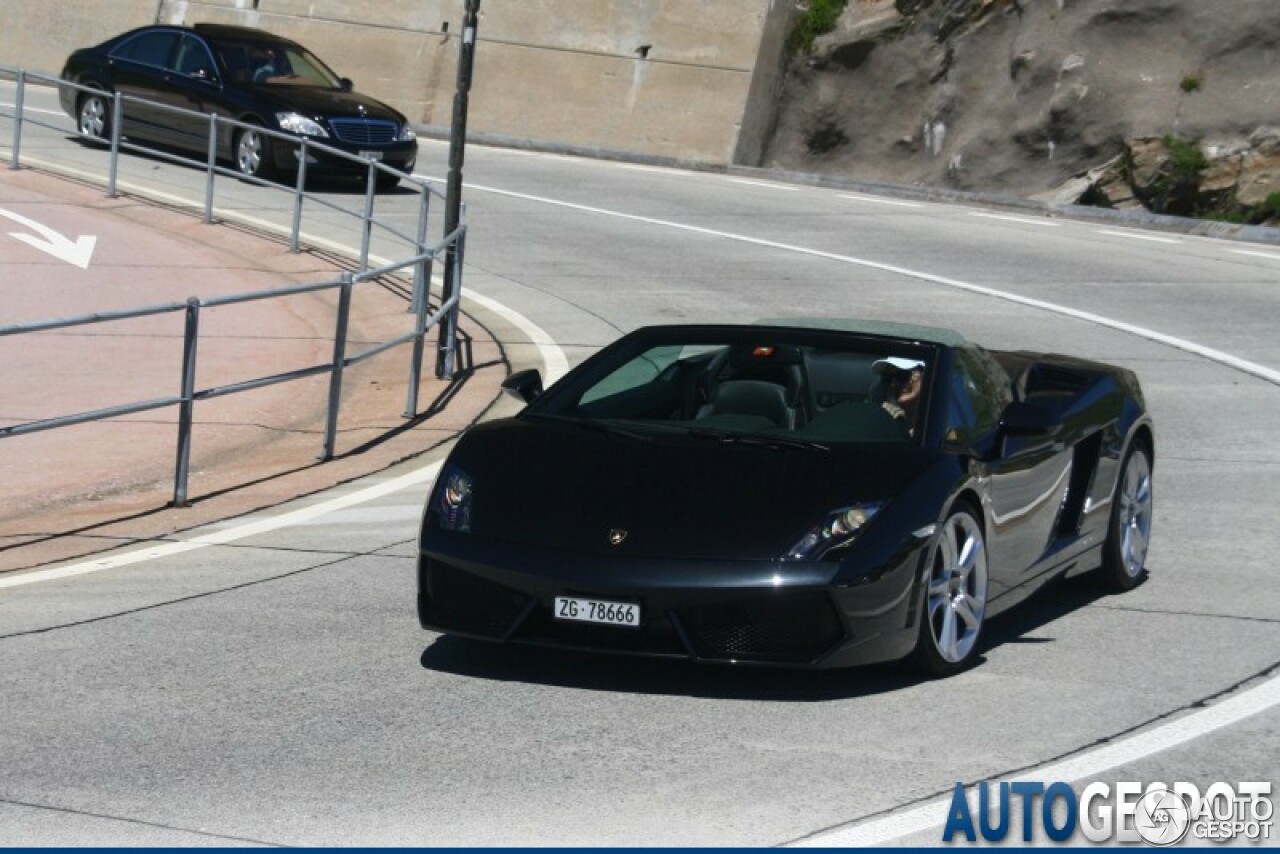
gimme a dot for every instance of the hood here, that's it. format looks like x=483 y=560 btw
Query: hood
x=326 y=103
x=562 y=485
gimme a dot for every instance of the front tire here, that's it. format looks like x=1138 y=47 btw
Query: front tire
x=384 y=182
x=955 y=597
x=93 y=116
x=1124 y=556
x=254 y=157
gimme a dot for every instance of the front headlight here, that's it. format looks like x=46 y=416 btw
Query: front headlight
x=453 y=499
x=839 y=528
x=298 y=123
x=406 y=134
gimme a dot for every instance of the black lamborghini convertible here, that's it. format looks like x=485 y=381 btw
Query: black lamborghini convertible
x=802 y=493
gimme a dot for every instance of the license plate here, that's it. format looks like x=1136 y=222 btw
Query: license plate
x=597 y=611
x=371 y=155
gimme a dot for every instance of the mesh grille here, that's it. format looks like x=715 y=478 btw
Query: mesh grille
x=795 y=627
x=364 y=131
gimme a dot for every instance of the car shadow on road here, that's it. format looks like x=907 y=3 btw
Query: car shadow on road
x=330 y=183
x=623 y=674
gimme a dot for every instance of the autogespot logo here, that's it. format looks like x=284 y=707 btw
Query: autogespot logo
x=1155 y=813
x=1162 y=817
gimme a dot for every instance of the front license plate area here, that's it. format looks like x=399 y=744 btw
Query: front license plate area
x=605 y=612
x=371 y=155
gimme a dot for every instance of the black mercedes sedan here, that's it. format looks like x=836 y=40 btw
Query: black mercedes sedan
x=797 y=493
x=240 y=73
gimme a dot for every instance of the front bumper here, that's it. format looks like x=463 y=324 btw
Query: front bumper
x=738 y=612
x=401 y=156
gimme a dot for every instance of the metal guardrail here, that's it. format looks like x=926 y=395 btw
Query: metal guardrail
x=421 y=262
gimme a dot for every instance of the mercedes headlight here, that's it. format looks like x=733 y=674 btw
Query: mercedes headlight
x=453 y=499
x=406 y=134
x=838 y=529
x=298 y=123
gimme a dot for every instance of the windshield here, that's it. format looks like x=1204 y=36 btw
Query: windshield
x=273 y=64
x=744 y=383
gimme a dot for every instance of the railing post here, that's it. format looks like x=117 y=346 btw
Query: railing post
x=186 y=409
x=17 y=117
x=367 y=231
x=336 y=369
x=422 y=270
x=210 y=165
x=301 y=187
x=117 y=118
x=449 y=323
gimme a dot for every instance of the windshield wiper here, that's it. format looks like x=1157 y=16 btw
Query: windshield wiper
x=597 y=426
x=757 y=440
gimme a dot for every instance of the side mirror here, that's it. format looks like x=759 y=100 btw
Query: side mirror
x=525 y=385
x=346 y=85
x=1029 y=420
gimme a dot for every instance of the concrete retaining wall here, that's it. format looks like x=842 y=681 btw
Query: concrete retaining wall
x=693 y=80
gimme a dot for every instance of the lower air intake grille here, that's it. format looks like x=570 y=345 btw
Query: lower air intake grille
x=456 y=599
x=784 y=627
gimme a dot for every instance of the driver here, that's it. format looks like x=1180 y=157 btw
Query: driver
x=902 y=381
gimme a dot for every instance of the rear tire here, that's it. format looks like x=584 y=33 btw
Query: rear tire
x=955 y=597
x=254 y=155
x=93 y=116
x=1124 y=556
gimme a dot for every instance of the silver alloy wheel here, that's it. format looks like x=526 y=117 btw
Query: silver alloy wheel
x=958 y=588
x=250 y=151
x=93 y=116
x=1135 y=513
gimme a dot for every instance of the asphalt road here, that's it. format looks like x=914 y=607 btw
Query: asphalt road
x=275 y=688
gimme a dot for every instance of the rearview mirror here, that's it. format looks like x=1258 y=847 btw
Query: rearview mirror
x=525 y=385
x=345 y=84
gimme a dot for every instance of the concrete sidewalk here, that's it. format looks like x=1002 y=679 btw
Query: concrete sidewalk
x=76 y=490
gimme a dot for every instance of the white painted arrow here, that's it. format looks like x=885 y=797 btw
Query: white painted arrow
x=77 y=251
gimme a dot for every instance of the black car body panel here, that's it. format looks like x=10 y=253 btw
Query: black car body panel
x=623 y=483
x=206 y=69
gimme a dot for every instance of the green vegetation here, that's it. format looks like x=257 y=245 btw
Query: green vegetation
x=819 y=18
x=1186 y=160
x=1269 y=209
x=1190 y=83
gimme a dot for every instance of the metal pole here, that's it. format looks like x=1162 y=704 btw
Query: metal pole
x=117 y=117
x=17 y=117
x=422 y=270
x=301 y=187
x=209 y=166
x=449 y=346
x=371 y=185
x=186 y=408
x=453 y=194
x=335 y=371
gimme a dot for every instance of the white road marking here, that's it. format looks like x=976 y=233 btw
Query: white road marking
x=1089 y=764
x=251 y=528
x=1272 y=256
x=1133 y=235
x=879 y=201
x=766 y=184
x=76 y=252
x=1260 y=371
x=1022 y=219
x=26 y=109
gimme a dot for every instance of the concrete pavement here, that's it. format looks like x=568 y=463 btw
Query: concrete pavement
x=78 y=490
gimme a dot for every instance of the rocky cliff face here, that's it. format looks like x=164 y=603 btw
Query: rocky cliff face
x=1169 y=104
